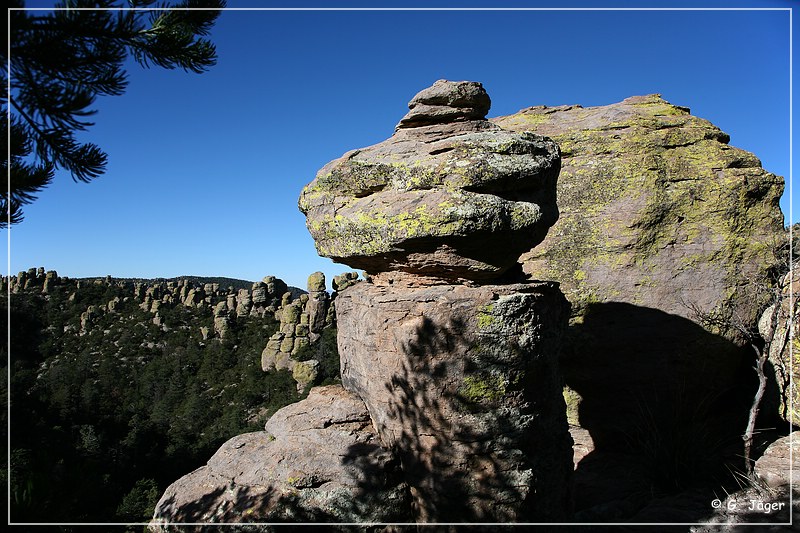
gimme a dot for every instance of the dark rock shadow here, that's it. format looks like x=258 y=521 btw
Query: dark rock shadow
x=666 y=403
x=461 y=455
x=245 y=510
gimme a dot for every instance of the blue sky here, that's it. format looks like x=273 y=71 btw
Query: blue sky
x=205 y=170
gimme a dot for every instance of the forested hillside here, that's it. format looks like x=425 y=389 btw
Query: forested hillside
x=112 y=402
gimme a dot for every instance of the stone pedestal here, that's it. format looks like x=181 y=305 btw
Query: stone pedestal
x=463 y=384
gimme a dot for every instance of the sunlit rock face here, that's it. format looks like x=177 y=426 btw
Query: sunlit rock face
x=451 y=407
x=449 y=195
x=657 y=209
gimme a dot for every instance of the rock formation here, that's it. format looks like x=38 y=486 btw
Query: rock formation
x=318 y=460
x=301 y=324
x=778 y=326
x=453 y=352
x=462 y=382
x=28 y=279
x=449 y=195
x=663 y=230
x=657 y=209
x=267 y=298
x=662 y=224
x=460 y=379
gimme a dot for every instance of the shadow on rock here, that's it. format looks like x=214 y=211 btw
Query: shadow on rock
x=666 y=403
x=431 y=446
x=454 y=439
x=233 y=507
x=462 y=384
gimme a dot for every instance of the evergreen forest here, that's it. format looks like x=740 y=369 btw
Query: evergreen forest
x=106 y=414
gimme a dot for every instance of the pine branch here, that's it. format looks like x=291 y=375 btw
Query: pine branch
x=26 y=179
x=62 y=61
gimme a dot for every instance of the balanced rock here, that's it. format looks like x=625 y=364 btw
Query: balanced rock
x=222 y=319
x=449 y=195
x=447 y=101
x=342 y=281
x=317 y=306
x=460 y=379
x=318 y=460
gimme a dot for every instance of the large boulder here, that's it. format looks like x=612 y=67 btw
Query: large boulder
x=657 y=209
x=318 y=460
x=463 y=383
x=449 y=195
x=664 y=232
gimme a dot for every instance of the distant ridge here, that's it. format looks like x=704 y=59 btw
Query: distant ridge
x=200 y=280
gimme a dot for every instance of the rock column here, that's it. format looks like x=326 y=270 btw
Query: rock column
x=453 y=351
x=462 y=382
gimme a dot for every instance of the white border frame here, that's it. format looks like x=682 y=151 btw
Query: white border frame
x=400 y=9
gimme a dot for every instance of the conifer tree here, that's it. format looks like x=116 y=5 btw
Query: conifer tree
x=62 y=60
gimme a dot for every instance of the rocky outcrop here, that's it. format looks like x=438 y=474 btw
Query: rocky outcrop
x=303 y=317
x=301 y=324
x=778 y=327
x=460 y=379
x=662 y=225
x=663 y=229
x=657 y=209
x=30 y=279
x=453 y=352
x=449 y=195
x=318 y=460
x=222 y=319
x=446 y=102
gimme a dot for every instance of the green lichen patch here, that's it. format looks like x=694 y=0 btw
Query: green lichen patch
x=483 y=388
x=573 y=401
x=647 y=194
x=486 y=317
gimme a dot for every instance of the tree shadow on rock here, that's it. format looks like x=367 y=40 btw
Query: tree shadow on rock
x=464 y=435
x=246 y=510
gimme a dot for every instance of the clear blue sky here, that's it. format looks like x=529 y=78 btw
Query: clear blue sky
x=205 y=170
